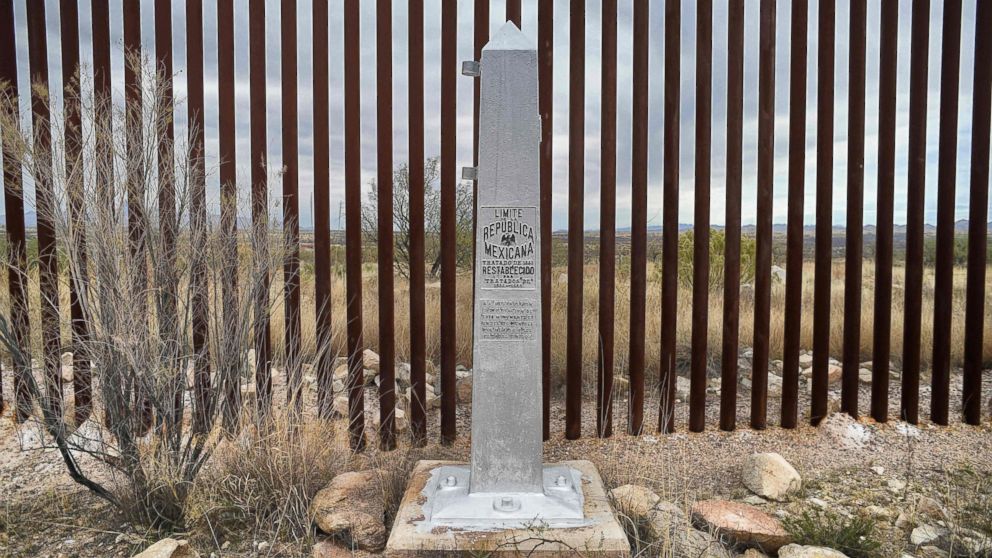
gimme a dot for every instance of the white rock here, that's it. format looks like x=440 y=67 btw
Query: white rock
x=682 y=387
x=798 y=551
x=805 y=360
x=370 y=360
x=774 y=385
x=168 y=548
x=925 y=534
x=896 y=485
x=864 y=376
x=769 y=475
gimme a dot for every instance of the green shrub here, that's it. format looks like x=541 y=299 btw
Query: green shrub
x=718 y=247
x=855 y=536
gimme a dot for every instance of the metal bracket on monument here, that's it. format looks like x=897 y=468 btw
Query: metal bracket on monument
x=471 y=68
x=449 y=502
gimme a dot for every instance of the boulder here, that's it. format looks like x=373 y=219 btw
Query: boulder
x=403 y=374
x=770 y=476
x=834 y=373
x=864 y=375
x=844 y=432
x=927 y=534
x=463 y=387
x=399 y=420
x=633 y=500
x=930 y=508
x=350 y=509
x=168 y=548
x=774 y=385
x=340 y=406
x=370 y=361
x=687 y=541
x=745 y=524
x=798 y=551
x=806 y=360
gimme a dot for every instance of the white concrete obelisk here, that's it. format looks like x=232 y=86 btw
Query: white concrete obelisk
x=506 y=398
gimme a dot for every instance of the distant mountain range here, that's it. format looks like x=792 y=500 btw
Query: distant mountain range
x=960 y=226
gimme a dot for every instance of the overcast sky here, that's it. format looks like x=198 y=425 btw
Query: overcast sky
x=561 y=76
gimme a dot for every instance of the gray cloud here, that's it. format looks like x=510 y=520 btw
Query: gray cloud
x=560 y=117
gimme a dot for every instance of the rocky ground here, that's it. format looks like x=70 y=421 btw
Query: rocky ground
x=919 y=487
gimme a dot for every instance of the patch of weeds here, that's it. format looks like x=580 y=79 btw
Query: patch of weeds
x=637 y=529
x=8 y=527
x=969 y=499
x=392 y=471
x=855 y=536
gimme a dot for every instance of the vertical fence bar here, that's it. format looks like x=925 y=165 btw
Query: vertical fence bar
x=732 y=255
x=81 y=378
x=137 y=220
x=607 y=222
x=576 y=195
x=480 y=38
x=886 y=188
x=353 y=221
x=45 y=202
x=670 y=215
x=978 y=216
x=916 y=186
x=418 y=359
x=103 y=119
x=824 y=208
x=260 y=203
x=322 y=208
x=321 y=202
x=291 y=206
x=638 y=217
x=449 y=54
x=168 y=317
x=950 y=70
x=203 y=392
x=384 y=134
x=763 y=247
x=545 y=74
x=701 y=217
x=794 y=228
x=513 y=12
x=14 y=211
x=228 y=189
x=855 y=209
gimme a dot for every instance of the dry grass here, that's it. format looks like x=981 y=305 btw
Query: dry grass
x=260 y=484
x=559 y=313
x=683 y=331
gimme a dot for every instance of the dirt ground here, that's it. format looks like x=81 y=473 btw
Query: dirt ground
x=847 y=464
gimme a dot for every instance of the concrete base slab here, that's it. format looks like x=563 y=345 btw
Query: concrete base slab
x=599 y=535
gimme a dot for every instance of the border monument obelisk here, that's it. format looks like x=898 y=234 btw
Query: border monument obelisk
x=506 y=490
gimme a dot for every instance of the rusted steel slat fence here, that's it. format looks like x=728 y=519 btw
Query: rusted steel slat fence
x=611 y=363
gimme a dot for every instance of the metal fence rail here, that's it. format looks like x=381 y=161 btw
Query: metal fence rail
x=36 y=43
